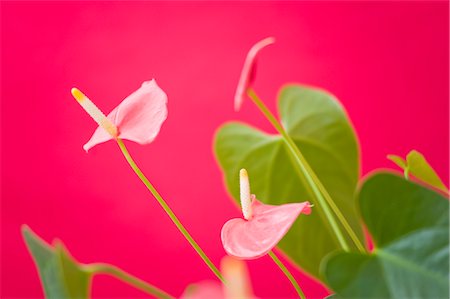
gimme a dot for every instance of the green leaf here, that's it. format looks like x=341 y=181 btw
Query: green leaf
x=421 y=169
x=61 y=275
x=399 y=161
x=409 y=226
x=418 y=166
x=321 y=129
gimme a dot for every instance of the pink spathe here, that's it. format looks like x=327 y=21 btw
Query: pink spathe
x=204 y=290
x=248 y=71
x=251 y=239
x=138 y=117
x=238 y=284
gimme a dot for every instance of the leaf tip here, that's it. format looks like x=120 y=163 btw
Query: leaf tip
x=397 y=160
x=57 y=244
x=27 y=233
x=25 y=229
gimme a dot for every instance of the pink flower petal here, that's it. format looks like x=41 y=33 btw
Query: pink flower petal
x=251 y=239
x=235 y=273
x=248 y=71
x=138 y=118
x=238 y=284
x=204 y=290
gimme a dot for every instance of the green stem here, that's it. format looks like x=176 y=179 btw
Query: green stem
x=287 y=273
x=316 y=186
x=169 y=211
x=336 y=210
x=406 y=173
x=100 y=268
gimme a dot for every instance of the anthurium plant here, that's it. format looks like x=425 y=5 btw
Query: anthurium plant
x=312 y=204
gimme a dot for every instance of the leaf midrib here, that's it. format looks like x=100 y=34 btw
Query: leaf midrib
x=296 y=126
x=331 y=153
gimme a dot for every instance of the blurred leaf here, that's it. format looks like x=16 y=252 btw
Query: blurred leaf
x=320 y=128
x=417 y=165
x=409 y=226
x=61 y=275
x=399 y=161
x=421 y=169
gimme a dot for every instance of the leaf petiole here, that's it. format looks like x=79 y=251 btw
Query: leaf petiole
x=101 y=268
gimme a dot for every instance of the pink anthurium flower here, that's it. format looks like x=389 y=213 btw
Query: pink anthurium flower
x=248 y=71
x=137 y=118
x=203 y=290
x=263 y=225
x=238 y=285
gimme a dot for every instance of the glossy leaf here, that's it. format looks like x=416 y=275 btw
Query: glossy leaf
x=320 y=128
x=61 y=275
x=409 y=227
x=418 y=166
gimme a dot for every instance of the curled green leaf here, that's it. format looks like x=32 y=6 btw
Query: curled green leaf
x=61 y=275
x=418 y=166
x=399 y=161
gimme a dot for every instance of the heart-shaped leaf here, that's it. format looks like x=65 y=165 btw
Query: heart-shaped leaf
x=418 y=166
x=320 y=128
x=61 y=275
x=409 y=226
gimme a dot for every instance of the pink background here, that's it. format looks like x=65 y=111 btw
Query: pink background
x=387 y=62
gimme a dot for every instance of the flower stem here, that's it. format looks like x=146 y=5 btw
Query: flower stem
x=100 y=268
x=288 y=274
x=169 y=212
x=317 y=187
